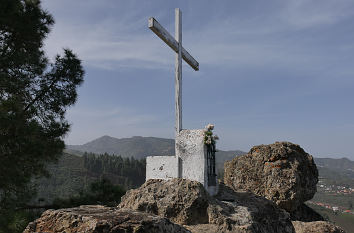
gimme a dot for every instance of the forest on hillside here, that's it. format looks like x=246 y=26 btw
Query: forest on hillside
x=73 y=174
x=130 y=171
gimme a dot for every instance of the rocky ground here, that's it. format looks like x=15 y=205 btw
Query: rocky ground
x=186 y=202
x=101 y=219
x=264 y=192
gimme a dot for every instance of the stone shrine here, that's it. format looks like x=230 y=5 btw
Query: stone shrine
x=195 y=158
x=191 y=161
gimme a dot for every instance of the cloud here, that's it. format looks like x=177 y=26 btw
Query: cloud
x=303 y=14
x=97 y=46
x=125 y=41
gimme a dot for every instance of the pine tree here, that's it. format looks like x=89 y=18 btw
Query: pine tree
x=34 y=96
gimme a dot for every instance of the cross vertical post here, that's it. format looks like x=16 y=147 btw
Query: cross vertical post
x=175 y=43
x=178 y=71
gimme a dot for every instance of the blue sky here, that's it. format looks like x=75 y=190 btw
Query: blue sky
x=269 y=70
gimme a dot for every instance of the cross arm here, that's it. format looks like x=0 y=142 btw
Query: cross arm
x=170 y=41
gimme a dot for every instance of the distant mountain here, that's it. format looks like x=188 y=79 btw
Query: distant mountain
x=73 y=152
x=343 y=165
x=222 y=156
x=138 y=147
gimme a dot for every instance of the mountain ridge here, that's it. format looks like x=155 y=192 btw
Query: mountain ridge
x=104 y=143
x=136 y=146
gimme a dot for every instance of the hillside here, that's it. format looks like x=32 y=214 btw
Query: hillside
x=343 y=165
x=137 y=147
x=73 y=174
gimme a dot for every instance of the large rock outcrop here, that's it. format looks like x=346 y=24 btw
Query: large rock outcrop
x=182 y=201
x=316 y=227
x=186 y=202
x=178 y=206
x=100 y=219
x=281 y=172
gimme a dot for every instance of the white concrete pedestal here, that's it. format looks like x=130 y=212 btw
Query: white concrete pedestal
x=190 y=161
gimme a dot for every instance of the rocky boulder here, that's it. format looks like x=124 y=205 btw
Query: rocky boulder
x=281 y=172
x=182 y=201
x=316 y=227
x=101 y=219
x=186 y=202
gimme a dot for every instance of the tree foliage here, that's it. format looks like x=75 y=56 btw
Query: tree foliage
x=131 y=172
x=34 y=96
x=101 y=192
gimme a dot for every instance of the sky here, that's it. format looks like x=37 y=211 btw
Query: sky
x=269 y=70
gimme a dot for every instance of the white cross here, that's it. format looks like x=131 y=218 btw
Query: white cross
x=176 y=45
